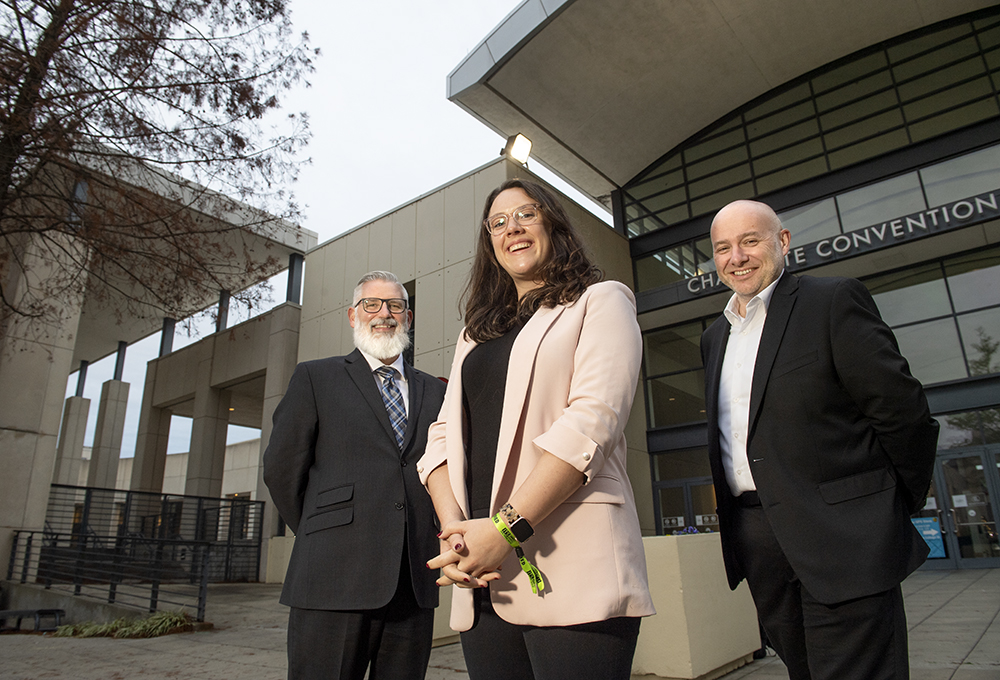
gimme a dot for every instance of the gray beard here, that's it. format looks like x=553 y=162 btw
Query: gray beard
x=381 y=347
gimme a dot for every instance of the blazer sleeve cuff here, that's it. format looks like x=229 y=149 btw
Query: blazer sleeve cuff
x=435 y=454
x=574 y=447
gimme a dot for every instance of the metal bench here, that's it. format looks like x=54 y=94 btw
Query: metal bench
x=50 y=616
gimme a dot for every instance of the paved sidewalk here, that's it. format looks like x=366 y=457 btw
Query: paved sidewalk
x=953 y=618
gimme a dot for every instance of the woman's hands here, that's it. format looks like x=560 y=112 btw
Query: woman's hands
x=471 y=553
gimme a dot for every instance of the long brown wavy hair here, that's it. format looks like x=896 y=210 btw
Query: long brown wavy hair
x=490 y=298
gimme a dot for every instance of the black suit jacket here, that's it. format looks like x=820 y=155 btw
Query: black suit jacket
x=841 y=443
x=344 y=487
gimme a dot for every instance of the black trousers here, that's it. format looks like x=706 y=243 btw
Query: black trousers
x=497 y=650
x=861 y=639
x=395 y=640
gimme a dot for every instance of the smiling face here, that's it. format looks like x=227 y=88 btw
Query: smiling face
x=750 y=248
x=520 y=250
x=383 y=335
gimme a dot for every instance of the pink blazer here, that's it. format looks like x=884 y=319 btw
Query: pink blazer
x=570 y=384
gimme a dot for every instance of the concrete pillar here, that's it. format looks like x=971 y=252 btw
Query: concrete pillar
x=35 y=361
x=107 y=449
x=69 y=452
x=209 y=426
x=222 y=313
x=282 y=357
x=152 y=439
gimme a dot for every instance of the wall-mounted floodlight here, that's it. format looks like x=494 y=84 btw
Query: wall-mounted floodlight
x=518 y=148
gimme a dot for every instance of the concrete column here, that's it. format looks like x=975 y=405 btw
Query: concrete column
x=282 y=357
x=209 y=425
x=151 y=442
x=35 y=362
x=69 y=452
x=107 y=449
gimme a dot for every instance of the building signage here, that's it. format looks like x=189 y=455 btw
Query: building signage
x=930 y=530
x=957 y=214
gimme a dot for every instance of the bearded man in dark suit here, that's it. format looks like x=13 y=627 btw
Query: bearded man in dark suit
x=821 y=445
x=341 y=467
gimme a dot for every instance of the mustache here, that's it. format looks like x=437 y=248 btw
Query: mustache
x=390 y=322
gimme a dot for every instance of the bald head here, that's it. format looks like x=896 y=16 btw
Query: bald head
x=748 y=211
x=749 y=246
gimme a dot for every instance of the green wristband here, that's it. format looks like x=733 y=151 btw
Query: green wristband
x=534 y=576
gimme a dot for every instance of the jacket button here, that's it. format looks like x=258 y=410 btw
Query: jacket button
x=399 y=506
x=403 y=463
x=586 y=456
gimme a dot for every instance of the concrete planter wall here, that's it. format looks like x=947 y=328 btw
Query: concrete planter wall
x=701 y=629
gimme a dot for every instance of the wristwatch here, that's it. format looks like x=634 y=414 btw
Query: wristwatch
x=519 y=526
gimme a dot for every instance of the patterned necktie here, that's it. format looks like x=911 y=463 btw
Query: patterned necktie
x=393 y=402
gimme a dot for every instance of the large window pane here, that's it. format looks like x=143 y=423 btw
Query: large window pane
x=673 y=349
x=974 y=280
x=812 y=223
x=790 y=175
x=941 y=79
x=657 y=184
x=880 y=101
x=677 y=399
x=911 y=48
x=880 y=202
x=668 y=199
x=933 y=351
x=682 y=464
x=715 y=145
x=948 y=99
x=672 y=510
x=911 y=295
x=855 y=90
x=952 y=120
x=790 y=156
x=981 y=336
x=991 y=426
x=658 y=269
x=869 y=148
x=960 y=429
x=969 y=175
x=850 y=73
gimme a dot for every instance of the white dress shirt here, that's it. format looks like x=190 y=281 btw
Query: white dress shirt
x=401 y=382
x=735 y=385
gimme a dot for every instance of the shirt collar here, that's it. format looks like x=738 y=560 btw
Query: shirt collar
x=374 y=363
x=759 y=301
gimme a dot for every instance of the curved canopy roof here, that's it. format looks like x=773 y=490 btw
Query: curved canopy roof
x=603 y=89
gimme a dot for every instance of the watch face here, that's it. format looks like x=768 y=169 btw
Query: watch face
x=522 y=530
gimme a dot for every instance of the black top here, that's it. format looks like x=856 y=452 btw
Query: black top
x=484 y=379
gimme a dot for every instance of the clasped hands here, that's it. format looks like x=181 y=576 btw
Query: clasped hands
x=471 y=553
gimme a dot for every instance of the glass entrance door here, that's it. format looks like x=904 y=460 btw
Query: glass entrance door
x=964 y=500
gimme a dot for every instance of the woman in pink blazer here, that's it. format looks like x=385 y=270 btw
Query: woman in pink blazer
x=526 y=463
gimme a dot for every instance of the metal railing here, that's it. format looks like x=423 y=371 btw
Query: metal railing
x=134 y=571
x=232 y=526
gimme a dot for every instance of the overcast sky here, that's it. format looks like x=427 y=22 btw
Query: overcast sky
x=383 y=134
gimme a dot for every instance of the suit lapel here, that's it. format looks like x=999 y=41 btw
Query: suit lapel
x=778 y=312
x=520 y=370
x=361 y=374
x=718 y=338
x=416 y=389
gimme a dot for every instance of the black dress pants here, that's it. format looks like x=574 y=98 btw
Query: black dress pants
x=497 y=650
x=861 y=639
x=339 y=645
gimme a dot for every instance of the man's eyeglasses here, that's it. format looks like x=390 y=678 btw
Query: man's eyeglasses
x=374 y=305
x=525 y=216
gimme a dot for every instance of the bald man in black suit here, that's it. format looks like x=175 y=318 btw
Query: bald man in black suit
x=821 y=445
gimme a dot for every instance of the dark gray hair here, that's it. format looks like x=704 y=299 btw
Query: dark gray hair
x=378 y=275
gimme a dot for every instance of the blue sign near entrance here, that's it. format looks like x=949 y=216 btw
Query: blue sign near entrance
x=930 y=530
